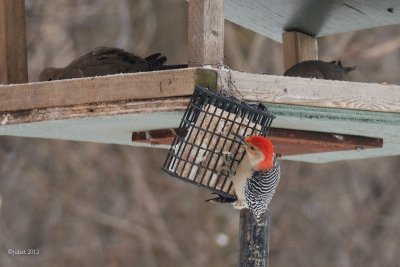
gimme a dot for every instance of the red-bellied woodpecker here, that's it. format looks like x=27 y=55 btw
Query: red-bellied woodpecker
x=104 y=61
x=256 y=177
x=319 y=69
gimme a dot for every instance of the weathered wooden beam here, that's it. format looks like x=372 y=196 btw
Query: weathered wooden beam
x=287 y=142
x=206 y=32
x=172 y=83
x=95 y=110
x=311 y=92
x=298 y=47
x=136 y=86
x=254 y=239
x=13 y=59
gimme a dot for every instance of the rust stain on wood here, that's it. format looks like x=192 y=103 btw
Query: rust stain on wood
x=287 y=142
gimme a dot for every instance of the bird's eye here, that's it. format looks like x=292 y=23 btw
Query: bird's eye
x=252 y=148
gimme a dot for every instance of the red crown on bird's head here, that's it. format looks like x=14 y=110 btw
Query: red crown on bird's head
x=266 y=147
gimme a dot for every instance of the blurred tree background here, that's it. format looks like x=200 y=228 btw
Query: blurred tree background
x=87 y=204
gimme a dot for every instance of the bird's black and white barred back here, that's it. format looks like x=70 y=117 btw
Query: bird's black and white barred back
x=260 y=189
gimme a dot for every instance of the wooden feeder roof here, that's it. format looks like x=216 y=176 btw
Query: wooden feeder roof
x=314 y=17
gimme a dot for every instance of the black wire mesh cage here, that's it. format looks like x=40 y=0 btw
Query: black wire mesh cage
x=206 y=148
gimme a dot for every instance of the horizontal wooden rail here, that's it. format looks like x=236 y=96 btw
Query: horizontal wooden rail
x=136 y=86
x=312 y=92
x=177 y=83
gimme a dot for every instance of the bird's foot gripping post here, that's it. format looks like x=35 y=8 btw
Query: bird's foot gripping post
x=254 y=239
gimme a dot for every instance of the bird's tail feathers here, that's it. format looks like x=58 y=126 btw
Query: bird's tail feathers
x=171 y=67
x=259 y=219
x=221 y=199
x=156 y=60
x=344 y=69
x=153 y=57
x=348 y=69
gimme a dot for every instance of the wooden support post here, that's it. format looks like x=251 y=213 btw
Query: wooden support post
x=206 y=32
x=298 y=47
x=254 y=240
x=13 y=59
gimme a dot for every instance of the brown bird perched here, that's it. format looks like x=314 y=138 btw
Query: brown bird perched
x=319 y=69
x=104 y=61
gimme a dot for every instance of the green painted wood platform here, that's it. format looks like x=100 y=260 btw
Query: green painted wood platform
x=374 y=112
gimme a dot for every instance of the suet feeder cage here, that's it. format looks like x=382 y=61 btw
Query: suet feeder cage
x=206 y=148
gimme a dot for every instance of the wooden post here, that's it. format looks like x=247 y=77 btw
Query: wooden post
x=13 y=58
x=206 y=32
x=254 y=240
x=298 y=47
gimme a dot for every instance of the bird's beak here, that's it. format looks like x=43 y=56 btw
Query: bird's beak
x=241 y=139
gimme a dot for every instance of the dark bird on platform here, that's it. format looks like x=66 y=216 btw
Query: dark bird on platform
x=105 y=61
x=319 y=69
